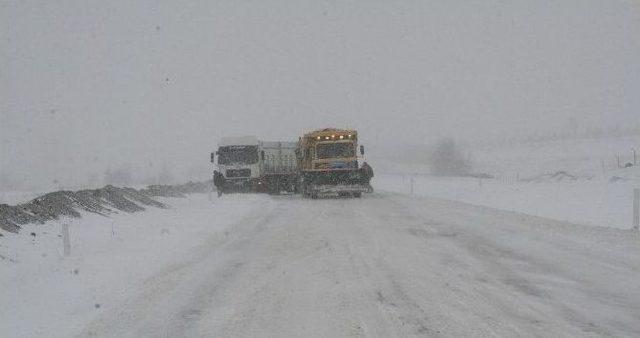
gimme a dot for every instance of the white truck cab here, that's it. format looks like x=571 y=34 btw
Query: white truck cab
x=239 y=161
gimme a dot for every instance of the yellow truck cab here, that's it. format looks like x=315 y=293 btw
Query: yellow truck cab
x=328 y=163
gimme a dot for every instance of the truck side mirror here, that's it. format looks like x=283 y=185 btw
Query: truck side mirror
x=262 y=154
x=361 y=150
x=212 y=158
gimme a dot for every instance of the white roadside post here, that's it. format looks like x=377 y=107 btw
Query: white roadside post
x=411 y=185
x=64 y=228
x=636 y=209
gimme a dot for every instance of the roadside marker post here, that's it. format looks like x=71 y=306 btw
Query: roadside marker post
x=411 y=179
x=636 y=209
x=65 y=238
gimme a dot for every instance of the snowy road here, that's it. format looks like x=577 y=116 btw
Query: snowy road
x=389 y=266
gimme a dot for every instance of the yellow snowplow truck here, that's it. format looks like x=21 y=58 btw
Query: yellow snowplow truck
x=328 y=164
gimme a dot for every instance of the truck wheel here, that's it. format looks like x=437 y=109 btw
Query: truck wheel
x=357 y=194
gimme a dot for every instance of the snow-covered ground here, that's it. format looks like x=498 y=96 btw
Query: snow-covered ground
x=597 y=201
x=385 y=265
x=601 y=194
x=46 y=294
x=583 y=157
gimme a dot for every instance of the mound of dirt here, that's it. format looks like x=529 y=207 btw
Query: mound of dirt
x=558 y=176
x=178 y=190
x=101 y=201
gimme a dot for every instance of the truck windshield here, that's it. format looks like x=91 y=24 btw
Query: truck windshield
x=335 y=150
x=238 y=155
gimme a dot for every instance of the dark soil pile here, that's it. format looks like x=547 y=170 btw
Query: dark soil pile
x=558 y=176
x=102 y=201
x=178 y=190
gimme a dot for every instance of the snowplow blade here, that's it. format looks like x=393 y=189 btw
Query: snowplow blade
x=343 y=182
x=341 y=188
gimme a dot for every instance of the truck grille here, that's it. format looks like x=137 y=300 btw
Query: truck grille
x=238 y=173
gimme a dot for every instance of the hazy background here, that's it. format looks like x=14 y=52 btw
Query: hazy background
x=149 y=86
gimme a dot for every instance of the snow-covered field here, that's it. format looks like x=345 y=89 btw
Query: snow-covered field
x=385 y=265
x=598 y=193
x=597 y=201
x=582 y=157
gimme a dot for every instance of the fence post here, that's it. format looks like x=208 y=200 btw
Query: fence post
x=65 y=238
x=636 y=209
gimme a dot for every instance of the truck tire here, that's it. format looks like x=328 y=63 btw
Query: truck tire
x=357 y=194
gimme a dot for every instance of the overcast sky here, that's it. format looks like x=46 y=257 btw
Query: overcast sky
x=87 y=85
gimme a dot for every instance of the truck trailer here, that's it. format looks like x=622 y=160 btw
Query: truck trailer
x=279 y=167
x=246 y=164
